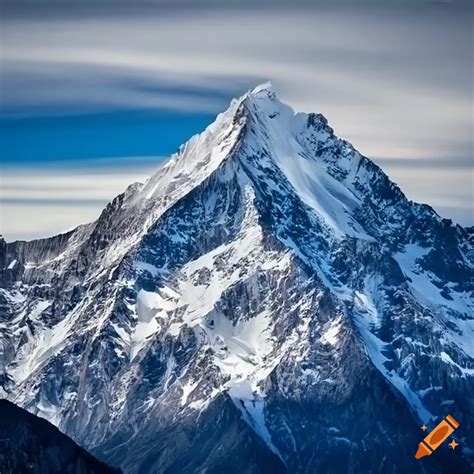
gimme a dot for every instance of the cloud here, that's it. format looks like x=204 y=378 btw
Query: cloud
x=37 y=202
x=461 y=162
x=383 y=75
x=394 y=78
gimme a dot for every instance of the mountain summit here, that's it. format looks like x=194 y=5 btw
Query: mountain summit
x=268 y=301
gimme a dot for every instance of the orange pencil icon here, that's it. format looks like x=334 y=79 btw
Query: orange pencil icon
x=436 y=437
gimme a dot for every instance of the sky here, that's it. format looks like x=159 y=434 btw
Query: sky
x=96 y=96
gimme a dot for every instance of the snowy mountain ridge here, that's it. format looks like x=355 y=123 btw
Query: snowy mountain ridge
x=260 y=288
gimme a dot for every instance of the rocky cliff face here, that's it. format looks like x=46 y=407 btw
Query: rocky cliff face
x=268 y=301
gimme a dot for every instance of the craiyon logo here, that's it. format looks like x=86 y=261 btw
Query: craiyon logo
x=437 y=437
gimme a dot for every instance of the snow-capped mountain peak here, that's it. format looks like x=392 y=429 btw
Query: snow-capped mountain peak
x=264 y=288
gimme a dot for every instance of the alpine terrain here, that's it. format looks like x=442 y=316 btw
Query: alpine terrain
x=267 y=302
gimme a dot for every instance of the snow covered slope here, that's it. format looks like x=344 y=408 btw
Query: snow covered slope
x=268 y=301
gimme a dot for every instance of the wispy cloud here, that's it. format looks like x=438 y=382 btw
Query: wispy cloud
x=35 y=202
x=384 y=75
x=394 y=78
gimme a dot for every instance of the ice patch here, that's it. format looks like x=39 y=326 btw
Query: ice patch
x=331 y=332
x=46 y=343
x=146 y=267
x=422 y=286
x=38 y=309
x=241 y=348
x=251 y=405
x=367 y=309
x=187 y=390
x=151 y=308
x=448 y=360
x=463 y=337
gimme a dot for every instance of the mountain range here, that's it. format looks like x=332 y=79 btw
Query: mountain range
x=268 y=301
